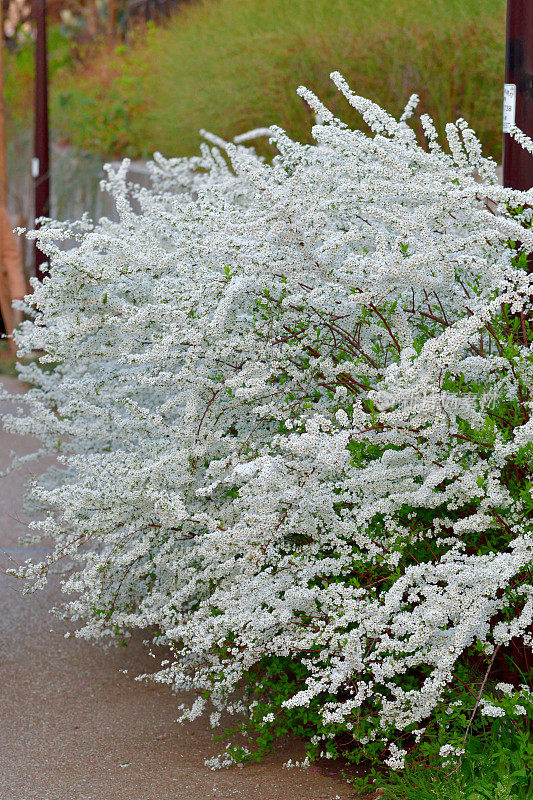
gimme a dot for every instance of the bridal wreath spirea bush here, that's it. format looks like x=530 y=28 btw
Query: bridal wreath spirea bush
x=291 y=402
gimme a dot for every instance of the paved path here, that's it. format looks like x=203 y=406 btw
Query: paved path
x=72 y=727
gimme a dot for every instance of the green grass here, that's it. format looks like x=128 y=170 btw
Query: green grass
x=19 y=73
x=475 y=781
x=231 y=65
x=7 y=361
x=498 y=765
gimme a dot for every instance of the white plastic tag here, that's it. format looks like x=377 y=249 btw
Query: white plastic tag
x=35 y=166
x=509 y=106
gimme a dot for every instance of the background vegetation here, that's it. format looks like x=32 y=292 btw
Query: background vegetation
x=229 y=65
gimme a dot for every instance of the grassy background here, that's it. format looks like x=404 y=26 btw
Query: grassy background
x=231 y=65
x=19 y=72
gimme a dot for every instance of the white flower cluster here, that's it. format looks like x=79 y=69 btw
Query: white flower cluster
x=303 y=764
x=450 y=754
x=228 y=475
x=396 y=760
x=225 y=759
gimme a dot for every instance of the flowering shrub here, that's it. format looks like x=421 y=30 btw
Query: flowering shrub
x=292 y=407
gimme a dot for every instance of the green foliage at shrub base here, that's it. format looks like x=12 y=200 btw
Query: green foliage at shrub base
x=497 y=765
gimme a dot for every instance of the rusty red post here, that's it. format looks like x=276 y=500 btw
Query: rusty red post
x=518 y=93
x=41 y=159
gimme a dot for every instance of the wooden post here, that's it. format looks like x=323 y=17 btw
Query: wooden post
x=5 y=294
x=111 y=18
x=518 y=93
x=41 y=159
x=3 y=170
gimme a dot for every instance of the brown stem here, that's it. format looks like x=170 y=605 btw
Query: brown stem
x=478 y=700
